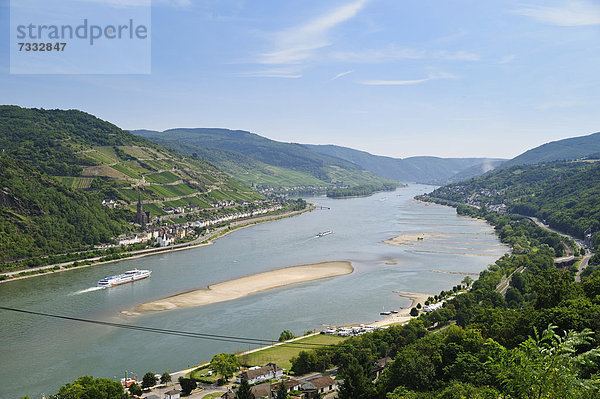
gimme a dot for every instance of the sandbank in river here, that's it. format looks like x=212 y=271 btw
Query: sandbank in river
x=410 y=239
x=241 y=287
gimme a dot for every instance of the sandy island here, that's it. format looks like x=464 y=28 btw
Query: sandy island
x=410 y=239
x=248 y=285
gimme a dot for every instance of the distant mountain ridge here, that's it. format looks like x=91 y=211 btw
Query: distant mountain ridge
x=560 y=150
x=262 y=162
x=257 y=160
x=421 y=169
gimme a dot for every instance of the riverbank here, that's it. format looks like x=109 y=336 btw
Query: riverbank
x=198 y=242
x=403 y=315
x=244 y=286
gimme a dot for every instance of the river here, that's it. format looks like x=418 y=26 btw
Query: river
x=40 y=354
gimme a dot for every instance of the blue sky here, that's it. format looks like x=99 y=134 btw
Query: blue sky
x=392 y=77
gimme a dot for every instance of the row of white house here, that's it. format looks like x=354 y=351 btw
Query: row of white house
x=235 y=216
x=166 y=235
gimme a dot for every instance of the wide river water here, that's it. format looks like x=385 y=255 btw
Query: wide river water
x=40 y=354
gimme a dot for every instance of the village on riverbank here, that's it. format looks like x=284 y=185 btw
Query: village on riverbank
x=156 y=237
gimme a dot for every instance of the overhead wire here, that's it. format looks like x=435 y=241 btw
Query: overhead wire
x=189 y=334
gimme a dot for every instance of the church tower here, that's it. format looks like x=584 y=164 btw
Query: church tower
x=141 y=217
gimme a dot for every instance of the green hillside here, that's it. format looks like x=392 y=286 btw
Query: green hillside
x=564 y=194
x=40 y=216
x=264 y=163
x=69 y=161
x=431 y=170
x=561 y=150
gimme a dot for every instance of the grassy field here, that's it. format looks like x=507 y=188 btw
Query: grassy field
x=139 y=152
x=281 y=355
x=162 y=177
x=126 y=169
x=213 y=395
x=159 y=164
x=131 y=194
x=101 y=156
x=76 y=182
x=109 y=153
x=171 y=191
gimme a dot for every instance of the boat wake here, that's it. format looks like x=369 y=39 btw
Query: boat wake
x=91 y=289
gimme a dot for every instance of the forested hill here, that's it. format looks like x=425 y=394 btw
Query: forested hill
x=258 y=161
x=40 y=216
x=58 y=167
x=424 y=169
x=561 y=150
x=564 y=194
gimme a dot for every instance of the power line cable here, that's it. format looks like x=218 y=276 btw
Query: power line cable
x=214 y=337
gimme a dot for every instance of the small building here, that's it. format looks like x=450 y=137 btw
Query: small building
x=262 y=390
x=257 y=374
x=173 y=394
x=381 y=364
x=290 y=385
x=320 y=385
x=163 y=240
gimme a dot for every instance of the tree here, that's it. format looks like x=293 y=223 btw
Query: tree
x=149 y=380
x=135 y=390
x=549 y=366
x=305 y=362
x=165 y=378
x=187 y=385
x=414 y=312
x=286 y=335
x=89 y=387
x=224 y=364
x=244 y=391
x=282 y=392
x=356 y=383
x=467 y=281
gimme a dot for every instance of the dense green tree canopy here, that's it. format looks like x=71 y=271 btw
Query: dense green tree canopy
x=225 y=364
x=88 y=387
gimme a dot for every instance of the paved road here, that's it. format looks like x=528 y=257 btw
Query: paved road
x=545 y=226
x=582 y=265
x=505 y=282
x=584 y=260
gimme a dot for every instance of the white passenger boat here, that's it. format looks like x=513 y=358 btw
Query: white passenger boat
x=127 y=277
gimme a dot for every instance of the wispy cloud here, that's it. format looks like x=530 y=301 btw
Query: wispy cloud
x=341 y=74
x=379 y=82
x=571 y=13
x=286 y=73
x=507 y=59
x=298 y=44
x=393 y=53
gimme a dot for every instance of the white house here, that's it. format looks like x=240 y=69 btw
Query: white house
x=172 y=394
x=256 y=374
x=321 y=385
